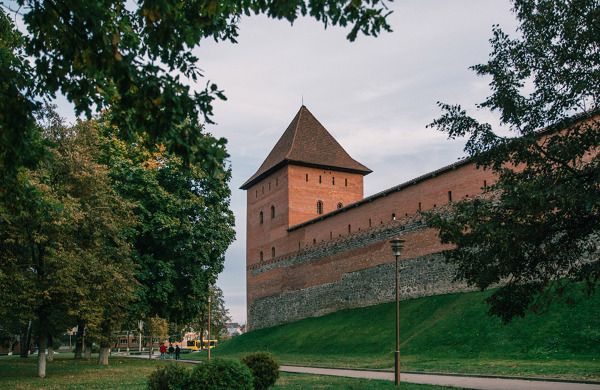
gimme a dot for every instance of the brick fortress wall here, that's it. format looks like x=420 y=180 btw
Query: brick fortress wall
x=343 y=259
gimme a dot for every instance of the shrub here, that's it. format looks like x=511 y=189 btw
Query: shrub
x=220 y=374
x=264 y=368
x=169 y=377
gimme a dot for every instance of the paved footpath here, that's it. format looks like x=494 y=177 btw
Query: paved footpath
x=452 y=380
x=481 y=382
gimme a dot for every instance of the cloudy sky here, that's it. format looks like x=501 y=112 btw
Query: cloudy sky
x=375 y=95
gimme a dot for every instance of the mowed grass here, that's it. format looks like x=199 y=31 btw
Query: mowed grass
x=446 y=333
x=132 y=374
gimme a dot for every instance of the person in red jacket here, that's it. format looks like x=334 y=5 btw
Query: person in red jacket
x=163 y=350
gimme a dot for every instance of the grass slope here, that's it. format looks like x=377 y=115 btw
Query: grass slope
x=446 y=333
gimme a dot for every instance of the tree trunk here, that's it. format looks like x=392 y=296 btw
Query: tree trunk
x=88 y=350
x=26 y=341
x=103 y=355
x=79 y=339
x=42 y=345
x=50 y=356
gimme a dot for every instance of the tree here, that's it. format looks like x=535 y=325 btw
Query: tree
x=186 y=226
x=135 y=58
x=65 y=248
x=219 y=315
x=535 y=231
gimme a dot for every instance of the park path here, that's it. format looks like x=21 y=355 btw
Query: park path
x=452 y=380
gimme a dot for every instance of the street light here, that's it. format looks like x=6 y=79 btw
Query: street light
x=209 y=327
x=397 y=249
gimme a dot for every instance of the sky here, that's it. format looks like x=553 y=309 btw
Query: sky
x=376 y=96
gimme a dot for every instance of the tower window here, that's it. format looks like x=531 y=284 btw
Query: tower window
x=260 y=217
x=333 y=180
x=307 y=177
x=314 y=241
x=261 y=256
x=319 y=207
x=273 y=252
x=319 y=178
x=485 y=184
x=369 y=222
x=346 y=182
x=419 y=206
x=349 y=229
x=272 y=212
x=393 y=216
x=449 y=196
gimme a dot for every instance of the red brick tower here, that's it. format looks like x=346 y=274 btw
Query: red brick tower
x=307 y=174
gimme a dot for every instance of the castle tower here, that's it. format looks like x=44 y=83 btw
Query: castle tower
x=306 y=175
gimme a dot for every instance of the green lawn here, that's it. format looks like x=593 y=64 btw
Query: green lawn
x=131 y=374
x=447 y=333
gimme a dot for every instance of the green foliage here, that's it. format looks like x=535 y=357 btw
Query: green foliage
x=264 y=368
x=169 y=377
x=186 y=226
x=135 y=58
x=535 y=231
x=220 y=374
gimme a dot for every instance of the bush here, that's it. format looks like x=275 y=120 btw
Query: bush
x=219 y=374
x=169 y=377
x=264 y=368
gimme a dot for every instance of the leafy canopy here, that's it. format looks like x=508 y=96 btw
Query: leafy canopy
x=536 y=229
x=135 y=58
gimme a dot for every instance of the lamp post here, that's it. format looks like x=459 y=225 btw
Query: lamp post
x=397 y=249
x=209 y=327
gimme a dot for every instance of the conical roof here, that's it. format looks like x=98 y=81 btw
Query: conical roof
x=306 y=142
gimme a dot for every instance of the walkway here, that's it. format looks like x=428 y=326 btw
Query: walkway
x=481 y=382
x=452 y=380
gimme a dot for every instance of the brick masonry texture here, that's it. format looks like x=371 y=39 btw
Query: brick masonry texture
x=422 y=276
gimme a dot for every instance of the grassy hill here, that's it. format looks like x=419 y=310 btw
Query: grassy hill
x=446 y=333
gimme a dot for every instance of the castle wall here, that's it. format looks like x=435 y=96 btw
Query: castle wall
x=344 y=259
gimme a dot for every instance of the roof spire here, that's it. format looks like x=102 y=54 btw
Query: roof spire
x=307 y=143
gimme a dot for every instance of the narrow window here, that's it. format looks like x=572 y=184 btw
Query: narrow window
x=485 y=184
x=449 y=196
x=307 y=177
x=298 y=244
x=349 y=229
x=273 y=252
x=333 y=180
x=319 y=178
x=346 y=181
x=369 y=222
x=272 y=212
x=319 y=207
x=314 y=241
x=393 y=216
x=435 y=205
x=339 y=206
x=419 y=206
x=330 y=235
x=261 y=256
x=257 y=193
x=260 y=217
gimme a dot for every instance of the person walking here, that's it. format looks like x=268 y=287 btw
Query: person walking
x=163 y=350
x=177 y=352
x=171 y=350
